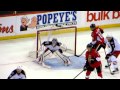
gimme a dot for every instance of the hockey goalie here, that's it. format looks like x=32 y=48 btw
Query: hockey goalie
x=53 y=47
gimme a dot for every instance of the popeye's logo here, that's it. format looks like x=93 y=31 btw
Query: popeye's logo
x=6 y=29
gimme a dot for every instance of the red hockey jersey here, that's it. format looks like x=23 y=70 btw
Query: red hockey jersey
x=97 y=36
x=93 y=54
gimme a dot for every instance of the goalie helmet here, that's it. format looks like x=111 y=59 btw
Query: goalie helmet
x=54 y=40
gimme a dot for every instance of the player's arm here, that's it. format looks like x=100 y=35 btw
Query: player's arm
x=96 y=57
x=23 y=72
x=59 y=43
x=101 y=30
x=12 y=74
x=87 y=63
x=45 y=43
x=94 y=38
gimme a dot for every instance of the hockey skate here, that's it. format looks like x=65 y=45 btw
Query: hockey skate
x=45 y=66
x=67 y=62
x=115 y=71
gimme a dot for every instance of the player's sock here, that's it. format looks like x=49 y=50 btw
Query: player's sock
x=87 y=77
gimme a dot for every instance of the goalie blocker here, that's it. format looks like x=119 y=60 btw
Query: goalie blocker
x=54 y=48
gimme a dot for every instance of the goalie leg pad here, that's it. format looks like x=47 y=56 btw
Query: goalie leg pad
x=62 y=57
x=43 y=55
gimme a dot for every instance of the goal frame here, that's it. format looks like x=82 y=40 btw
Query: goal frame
x=39 y=31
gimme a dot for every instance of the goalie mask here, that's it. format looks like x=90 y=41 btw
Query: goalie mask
x=54 y=42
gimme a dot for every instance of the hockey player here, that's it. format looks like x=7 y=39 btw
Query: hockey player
x=54 y=48
x=18 y=73
x=113 y=53
x=97 y=37
x=93 y=61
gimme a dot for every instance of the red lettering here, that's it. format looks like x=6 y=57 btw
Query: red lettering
x=11 y=29
x=97 y=16
x=88 y=17
x=6 y=29
x=3 y=29
x=0 y=29
x=115 y=15
x=106 y=15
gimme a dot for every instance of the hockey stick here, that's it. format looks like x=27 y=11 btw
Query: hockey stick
x=97 y=47
x=108 y=64
x=81 y=53
x=78 y=74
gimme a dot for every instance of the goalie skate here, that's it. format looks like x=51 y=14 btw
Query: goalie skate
x=45 y=66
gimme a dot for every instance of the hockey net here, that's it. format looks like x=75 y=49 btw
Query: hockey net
x=66 y=35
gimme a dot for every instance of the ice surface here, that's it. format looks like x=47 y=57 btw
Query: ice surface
x=14 y=53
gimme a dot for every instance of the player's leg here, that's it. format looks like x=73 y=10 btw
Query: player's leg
x=88 y=72
x=60 y=55
x=99 y=71
x=114 y=64
x=45 y=54
x=41 y=55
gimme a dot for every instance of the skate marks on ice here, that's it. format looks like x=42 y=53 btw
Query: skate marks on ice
x=76 y=63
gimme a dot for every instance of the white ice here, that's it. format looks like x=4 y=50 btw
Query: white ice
x=14 y=53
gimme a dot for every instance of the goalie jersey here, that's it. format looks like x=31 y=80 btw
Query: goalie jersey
x=52 y=46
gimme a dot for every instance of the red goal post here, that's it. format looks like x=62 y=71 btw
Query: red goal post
x=38 y=35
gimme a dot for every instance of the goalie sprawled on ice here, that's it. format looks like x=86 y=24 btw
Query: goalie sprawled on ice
x=53 y=47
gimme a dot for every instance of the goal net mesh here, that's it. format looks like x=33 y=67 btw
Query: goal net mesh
x=66 y=35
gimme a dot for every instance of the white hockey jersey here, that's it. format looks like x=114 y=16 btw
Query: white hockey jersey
x=18 y=76
x=114 y=45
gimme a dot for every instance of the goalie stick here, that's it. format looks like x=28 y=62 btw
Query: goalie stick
x=81 y=53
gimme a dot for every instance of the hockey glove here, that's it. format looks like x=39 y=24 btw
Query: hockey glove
x=107 y=56
x=45 y=43
x=92 y=61
x=104 y=45
x=84 y=68
x=101 y=31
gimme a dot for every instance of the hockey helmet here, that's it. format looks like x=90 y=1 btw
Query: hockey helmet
x=92 y=26
x=19 y=68
x=89 y=46
x=109 y=36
